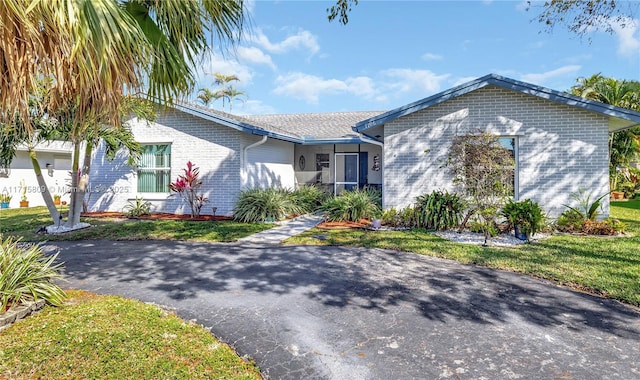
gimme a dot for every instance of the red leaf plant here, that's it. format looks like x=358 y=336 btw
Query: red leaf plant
x=187 y=185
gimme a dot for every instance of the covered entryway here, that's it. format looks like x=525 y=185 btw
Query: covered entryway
x=339 y=167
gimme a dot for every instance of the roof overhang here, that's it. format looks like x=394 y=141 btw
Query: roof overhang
x=235 y=124
x=620 y=118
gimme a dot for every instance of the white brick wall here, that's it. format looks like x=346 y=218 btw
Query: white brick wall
x=561 y=148
x=215 y=149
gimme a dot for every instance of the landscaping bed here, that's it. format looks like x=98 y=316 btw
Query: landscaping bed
x=154 y=216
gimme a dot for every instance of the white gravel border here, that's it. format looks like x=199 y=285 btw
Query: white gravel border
x=502 y=240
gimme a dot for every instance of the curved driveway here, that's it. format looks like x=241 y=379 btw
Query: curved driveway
x=307 y=312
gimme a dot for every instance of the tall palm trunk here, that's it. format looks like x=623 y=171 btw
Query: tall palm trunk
x=44 y=189
x=74 y=205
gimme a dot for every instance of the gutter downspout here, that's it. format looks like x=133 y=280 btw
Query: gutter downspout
x=243 y=158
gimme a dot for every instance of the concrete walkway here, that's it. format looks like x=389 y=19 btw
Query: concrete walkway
x=285 y=230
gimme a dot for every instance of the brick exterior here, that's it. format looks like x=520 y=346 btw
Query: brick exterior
x=560 y=148
x=215 y=149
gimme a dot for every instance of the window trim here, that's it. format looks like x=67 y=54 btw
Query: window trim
x=516 y=166
x=159 y=195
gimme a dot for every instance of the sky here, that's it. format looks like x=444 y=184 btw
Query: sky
x=293 y=60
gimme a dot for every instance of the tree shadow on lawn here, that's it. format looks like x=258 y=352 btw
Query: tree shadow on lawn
x=377 y=280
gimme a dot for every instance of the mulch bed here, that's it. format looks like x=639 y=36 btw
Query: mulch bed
x=154 y=216
x=362 y=223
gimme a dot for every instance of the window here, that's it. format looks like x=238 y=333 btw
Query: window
x=485 y=165
x=154 y=170
x=509 y=143
x=322 y=168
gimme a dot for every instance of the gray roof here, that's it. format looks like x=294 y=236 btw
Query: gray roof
x=309 y=128
x=330 y=125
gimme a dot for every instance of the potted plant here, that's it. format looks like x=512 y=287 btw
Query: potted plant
x=5 y=198
x=24 y=202
x=525 y=217
x=617 y=195
x=56 y=199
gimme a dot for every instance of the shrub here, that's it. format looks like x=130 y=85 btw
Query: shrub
x=137 y=207
x=26 y=274
x=409 y=217
x=260 y=205
x=586 y=207
x=570 y=221
x=187 y=185
x=309 y=198
x=526 y=214
x=390 y=217
x=479 y=227
x=439 y=210
x=353 y=205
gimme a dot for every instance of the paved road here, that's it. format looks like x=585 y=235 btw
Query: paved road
x=350 y=313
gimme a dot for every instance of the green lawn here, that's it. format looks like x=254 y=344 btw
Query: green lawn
x=609 y=266
x=25 y=221
x=109 y=337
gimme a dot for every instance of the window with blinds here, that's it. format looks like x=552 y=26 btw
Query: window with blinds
x=154 y=170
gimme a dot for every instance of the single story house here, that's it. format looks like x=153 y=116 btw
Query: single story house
x=559 y=141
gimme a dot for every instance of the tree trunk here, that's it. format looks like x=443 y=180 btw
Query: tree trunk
x=44 y=189
x=74 y=205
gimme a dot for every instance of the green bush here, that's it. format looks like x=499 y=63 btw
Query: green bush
x=353 y=205
x=26 y=274
x=309 y=198
x=588 y=208
x=526 y=214
x=480 y=227
x=570 y=221
x=137 y=207
x=439 y=210
x=261 y=205
x=390 y=217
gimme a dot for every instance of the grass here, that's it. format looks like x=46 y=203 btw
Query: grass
x=94 y=336
x=608 y=266
x=24 y=222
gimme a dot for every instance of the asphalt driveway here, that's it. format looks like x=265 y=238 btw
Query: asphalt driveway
x=307 y=312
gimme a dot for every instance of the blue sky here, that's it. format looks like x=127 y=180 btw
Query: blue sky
x=292 y=60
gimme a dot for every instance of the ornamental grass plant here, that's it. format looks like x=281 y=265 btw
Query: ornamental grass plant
x=27 y=274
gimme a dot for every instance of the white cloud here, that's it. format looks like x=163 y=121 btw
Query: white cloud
x=303 y=39
x=628 y=36
x=409 y=80
x=541 y=78
x=431 y=57
x=625 y=29
x=389 y=83
x=307 y=87
x=255 y=55
x=362 y=86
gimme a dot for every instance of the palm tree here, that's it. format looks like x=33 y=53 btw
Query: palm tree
x=232 y=94
x=624 y=146
x=206 y=96
x=226 y=90
x=99 y=50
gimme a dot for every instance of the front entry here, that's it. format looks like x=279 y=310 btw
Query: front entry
x=346 y=172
